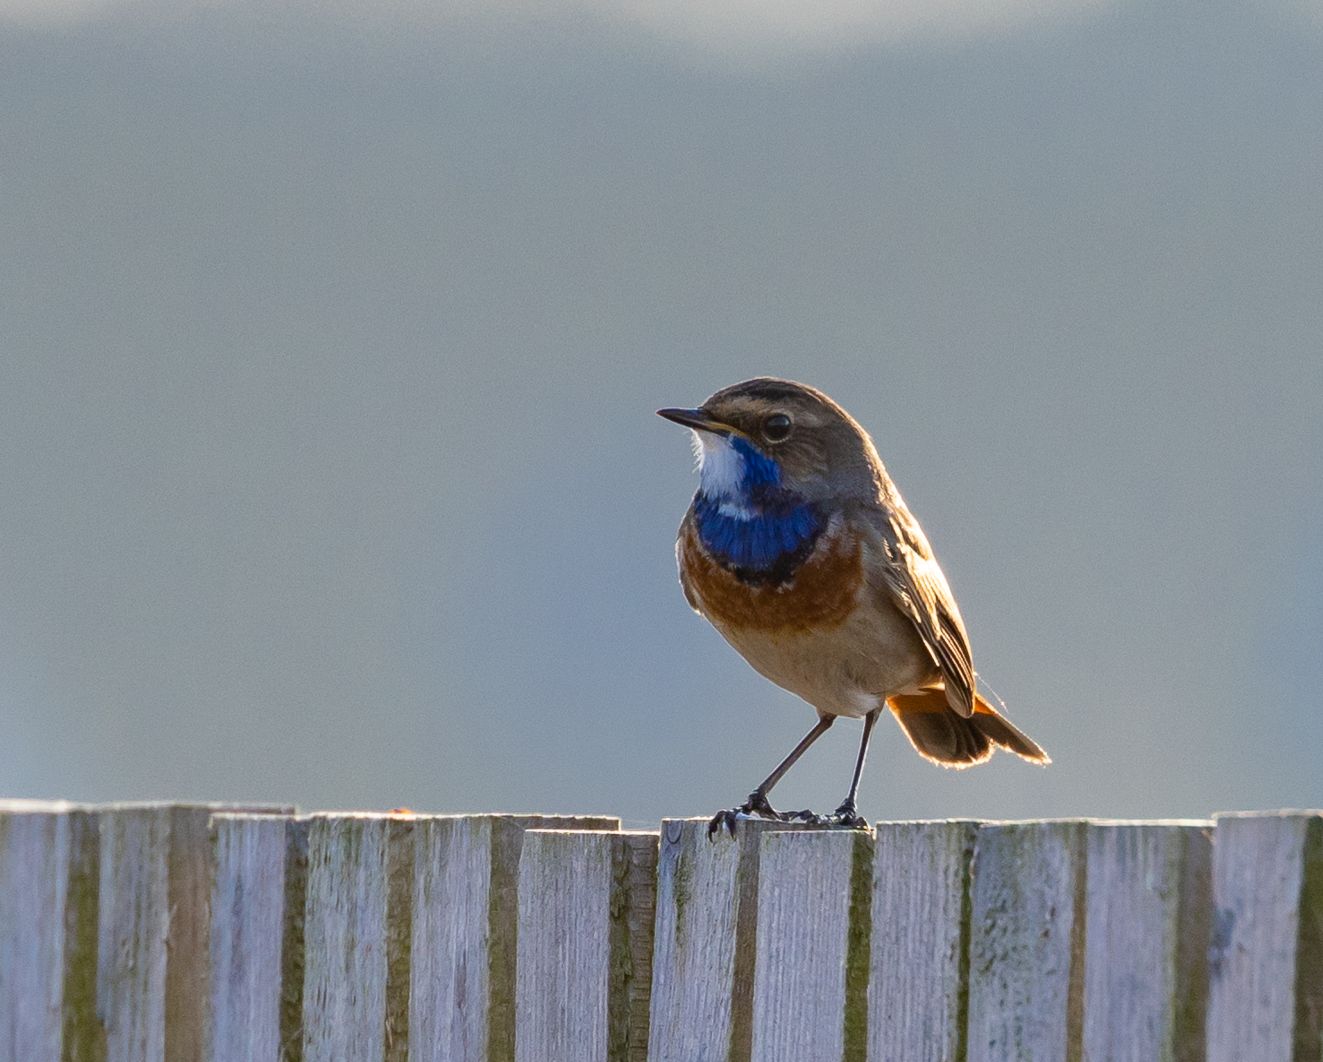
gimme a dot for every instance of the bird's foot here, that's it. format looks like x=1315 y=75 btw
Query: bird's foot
x=756 y=807
x=847 y=815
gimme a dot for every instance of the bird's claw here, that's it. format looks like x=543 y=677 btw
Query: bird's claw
x=847 y=815
x=724 y=819
x=843 y=818
x=758 y=807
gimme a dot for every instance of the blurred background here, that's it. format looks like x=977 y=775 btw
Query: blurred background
x=331 y=335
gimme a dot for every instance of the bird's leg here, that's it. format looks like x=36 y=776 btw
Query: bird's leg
x=847 y=814
x=758 y=804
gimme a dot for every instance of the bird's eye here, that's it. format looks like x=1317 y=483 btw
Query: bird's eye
x=776 y=428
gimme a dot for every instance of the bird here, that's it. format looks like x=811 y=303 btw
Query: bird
x=799 y=549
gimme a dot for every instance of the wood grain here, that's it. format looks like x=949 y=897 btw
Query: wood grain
x=581 y=932
x=154 y=929
x=83 y=1036
x=1145 y=969
x=918 y=993
x=133 y=929
x=465 y=929
x=253 y=891
x=802 y=1005
x=705 y=943
x=47 y=934
x=356 y=932
x=633 y=921
x=183 y=932
x=562 y=979
x=1265 y=998
x=1026 y=974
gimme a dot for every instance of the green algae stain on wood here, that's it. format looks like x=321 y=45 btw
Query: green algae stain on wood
x=1308 y=1038
x=632 y=907
x=858 y=952
x=292 y=961
x=84 y=1037
x=683 y=887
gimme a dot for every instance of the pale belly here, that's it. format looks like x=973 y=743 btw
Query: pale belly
x=845 y=670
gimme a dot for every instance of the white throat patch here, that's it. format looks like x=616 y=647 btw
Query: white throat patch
x=720 y=465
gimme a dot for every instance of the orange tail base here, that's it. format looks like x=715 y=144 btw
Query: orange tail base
x=943 y=737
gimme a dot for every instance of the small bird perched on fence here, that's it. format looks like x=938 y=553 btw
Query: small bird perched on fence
x=799 y=549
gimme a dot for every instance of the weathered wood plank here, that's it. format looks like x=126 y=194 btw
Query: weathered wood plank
x=47 y=932
x=633 y=922
x=918 y=991
x=465 y=924
x=1265 y=998
x=693 y=964
x=188 y=957
x=579 y=995
x=357 y=938
x=154 y=933
x=813 y=940
x=34 y=854
x=564 y=949
x=1146 y=931
x=117 y=942
x=1026 y=987
x=256 y=917
x=452 y=934
x=705 y=943
x=83 y=1036
x=133 y=929
x=293 y=958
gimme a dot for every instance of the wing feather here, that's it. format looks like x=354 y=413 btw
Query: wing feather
x=918 y=587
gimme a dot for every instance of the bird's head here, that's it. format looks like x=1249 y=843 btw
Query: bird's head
x=770 y=435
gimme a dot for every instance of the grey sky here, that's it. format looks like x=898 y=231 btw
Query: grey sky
x=330 y=350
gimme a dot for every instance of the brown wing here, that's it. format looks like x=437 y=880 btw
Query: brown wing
x=916 y=585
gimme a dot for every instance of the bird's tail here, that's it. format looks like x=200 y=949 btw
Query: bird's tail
x=942 y=736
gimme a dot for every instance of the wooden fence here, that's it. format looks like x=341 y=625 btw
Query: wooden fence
x=144 y=932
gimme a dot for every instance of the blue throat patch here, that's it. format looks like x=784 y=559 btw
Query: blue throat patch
x=780 y=529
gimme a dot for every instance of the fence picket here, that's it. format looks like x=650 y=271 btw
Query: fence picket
x=577 y=989
x=356 y=938
x=48 y=867
x=703 y=960
x=1265 y=991
x=147 y=932
x=153 y=981
x=1146 y=933
x=918 y=992
x=465 y=920
x=810 y=975
x=256 y=936
x=1026 y=951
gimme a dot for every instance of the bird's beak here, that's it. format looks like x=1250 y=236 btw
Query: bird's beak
x=698 y=419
